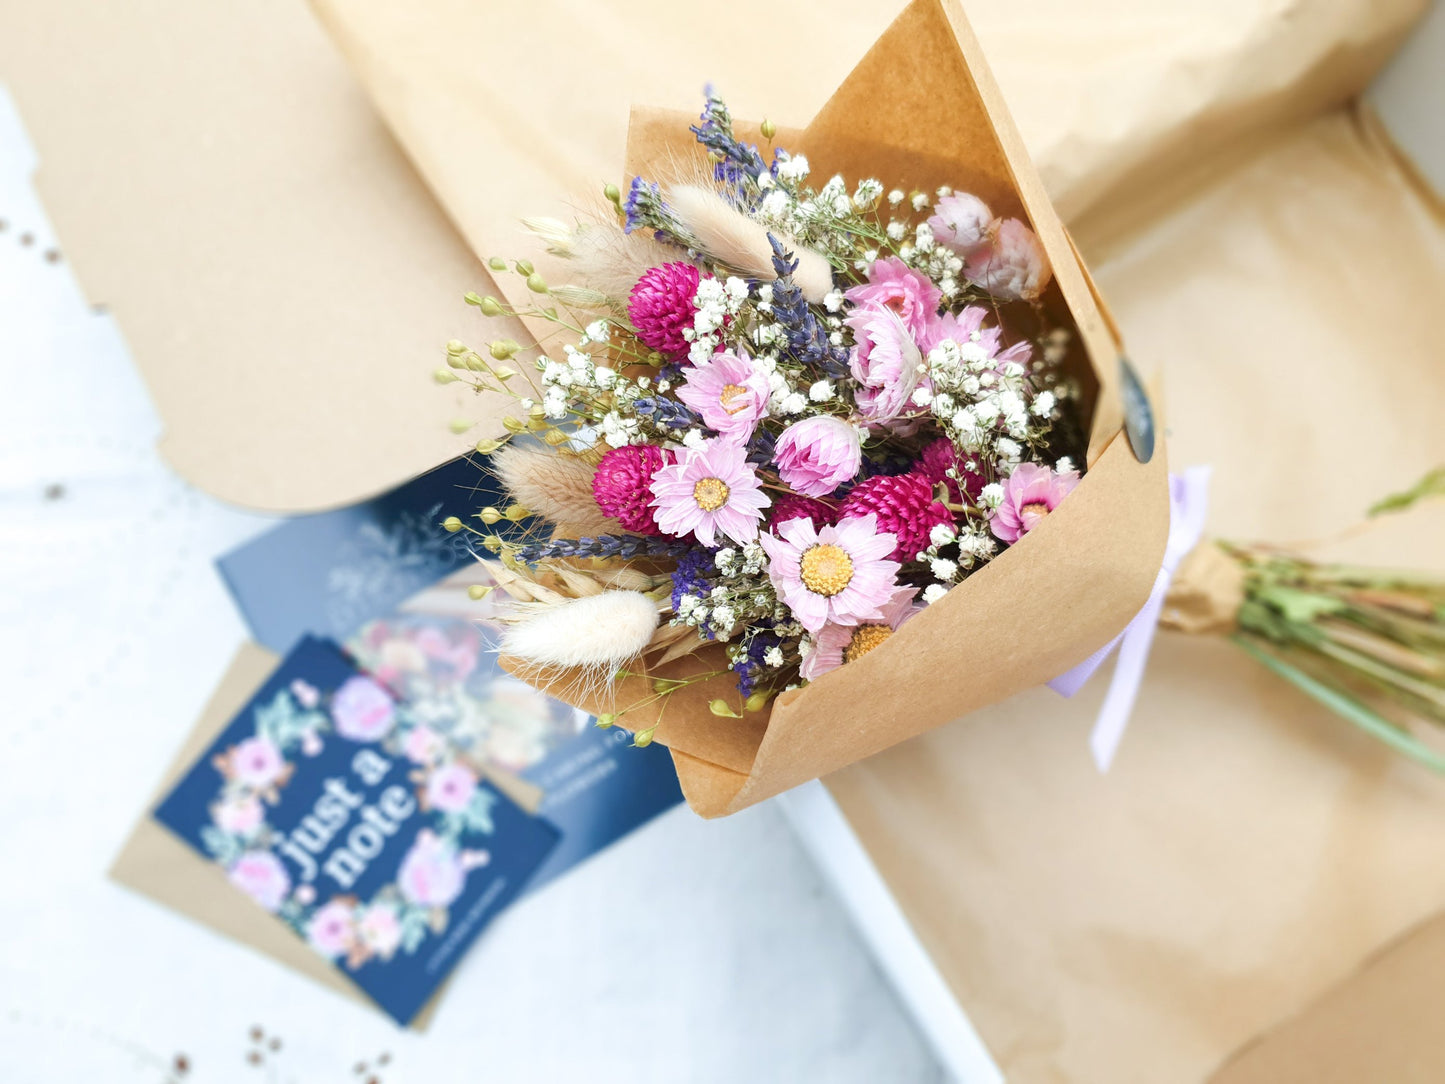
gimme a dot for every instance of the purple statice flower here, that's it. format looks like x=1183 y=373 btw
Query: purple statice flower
x=807 y=337
x=693 y=574
x=748 y=664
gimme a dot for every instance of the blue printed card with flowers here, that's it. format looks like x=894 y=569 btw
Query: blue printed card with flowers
x=363 y=830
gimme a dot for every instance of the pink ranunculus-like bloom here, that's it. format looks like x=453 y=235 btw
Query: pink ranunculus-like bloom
x=818 y=454
x=431 y=874
x=792 y=506
x=622 y=485
x=839 y=574
x=240 y=815
x=1013 y=267
x=362 y=709
x=261 y=876
x=908 y=294
x=935 y=461
x=838 y=644
x=422 y=745
x=257 y=762
x=711 y=490
x=887 y=362
x=660 y=306
x=963 y=222
x=450 y=788
x=905 y=507
x=331 y=931
x=729 y=391
x=380 y=930
x=1030 y=493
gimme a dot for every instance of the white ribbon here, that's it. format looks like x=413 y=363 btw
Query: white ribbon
x=1188 y=506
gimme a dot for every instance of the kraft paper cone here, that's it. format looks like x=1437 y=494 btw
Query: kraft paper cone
x=1098 y=554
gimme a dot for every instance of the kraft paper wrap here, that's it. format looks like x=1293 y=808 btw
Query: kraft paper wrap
x=1215 y=897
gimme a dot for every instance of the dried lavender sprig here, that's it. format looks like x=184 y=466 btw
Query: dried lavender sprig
x=808 y=340
x=665 y=412
x=738 y=163
x=626 y=546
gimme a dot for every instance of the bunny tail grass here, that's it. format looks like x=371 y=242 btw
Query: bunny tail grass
x=555 y=486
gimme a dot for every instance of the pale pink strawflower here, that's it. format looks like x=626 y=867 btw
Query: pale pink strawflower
x=729 y=391
x=838 y=574
x=963 y=222
x=893 y=285
x=835 y=645
x=886 y=361
x=711 y=490
x=1030 y=493
x=1013 y=267
x=818 y=454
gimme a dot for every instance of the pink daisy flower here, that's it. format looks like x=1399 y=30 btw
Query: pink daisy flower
x=711 y=490
x=729 y=391
x=839 y=574
x=1030 y=494
x=838 y=644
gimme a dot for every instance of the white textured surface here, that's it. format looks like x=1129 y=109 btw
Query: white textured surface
x=690 y=952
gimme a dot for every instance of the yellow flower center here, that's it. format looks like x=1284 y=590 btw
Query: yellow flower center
x=865 y=639
x=826 y=569
x=710 y=494
x=730 y=395
x=1033 y=512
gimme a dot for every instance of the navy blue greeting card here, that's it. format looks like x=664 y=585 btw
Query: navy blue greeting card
x=345 y=573
x=365 y=831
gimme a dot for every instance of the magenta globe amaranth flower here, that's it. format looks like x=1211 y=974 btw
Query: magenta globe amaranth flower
x=621 y=485
x=660 y=306
x=729 y=391
x=1030 y=494
x=839 y=574
x=818 y=454
x=935 y=462
x=835 y=645
x=792 y=506
x=905 y=508
x=711 y=490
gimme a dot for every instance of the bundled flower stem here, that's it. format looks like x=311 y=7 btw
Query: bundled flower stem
x=1368 y=644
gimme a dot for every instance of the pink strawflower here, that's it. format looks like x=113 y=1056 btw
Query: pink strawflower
x=886 y=361
x=620 y=485
x=660 y=306
x=450 y=788
x=963 y=222
x=934 y=463
x=712 y=490
x=1030 y=494
x=836 y=644
x=839 y=574
x=792 y=506
x=729 y=391
x=893 y=285
x=1013 y=267
x=905 y=508
x=818 y=454
x=431 y=874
